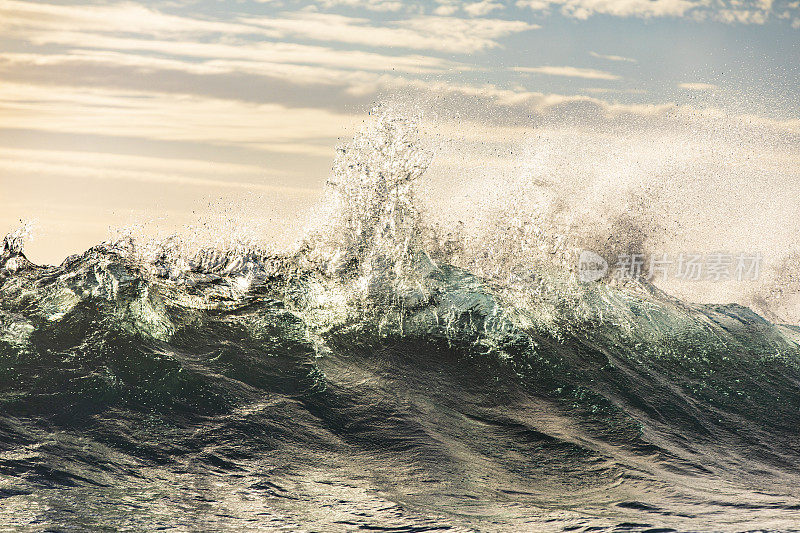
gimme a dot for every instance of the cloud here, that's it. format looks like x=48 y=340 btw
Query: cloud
x=141 y=107
x=271 y=127
x=371 y=5
x=20 y=16
x=444 y=34
x=208 y=88
x=172 y=165
x=612 y=58
x=741 y=16
x=292 y=85
x=583 y=9
x=258 y=54
x=608 y=90
x=105 y=166
x=479 y=9
x=698 y=86
x=26 y=20
x=446 y=8
x=572 y=72
x=726 y=11
x=170 y=117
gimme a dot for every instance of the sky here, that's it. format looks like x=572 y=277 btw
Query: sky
x=118 y=113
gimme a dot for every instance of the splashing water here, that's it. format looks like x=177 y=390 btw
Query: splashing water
x=372 y=223
x=389 y=372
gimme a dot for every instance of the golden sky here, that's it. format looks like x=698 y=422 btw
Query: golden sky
x=115 y=113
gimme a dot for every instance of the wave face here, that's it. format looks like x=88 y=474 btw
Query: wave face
x=377 y=378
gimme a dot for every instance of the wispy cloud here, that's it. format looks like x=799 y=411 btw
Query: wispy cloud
x=727 y=11
x=612 y=57
x=446 y=34
x=22 y=163
x=583 y=9
x=608 y=90
x=170 y=117
x=741 y=16
x=446 y=8
x=698 y=86
x=17 y=16
x=370 y=5
x=479 y=9
x=571 y=72
x=256 y=53
x=20 y=169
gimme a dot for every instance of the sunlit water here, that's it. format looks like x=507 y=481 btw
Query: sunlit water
x=387 y=374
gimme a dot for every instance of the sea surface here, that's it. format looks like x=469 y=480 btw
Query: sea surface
x=380 y=377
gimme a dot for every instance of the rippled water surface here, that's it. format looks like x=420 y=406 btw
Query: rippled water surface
x=373 y=381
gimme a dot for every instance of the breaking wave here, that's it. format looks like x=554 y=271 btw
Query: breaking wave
x=389 y=374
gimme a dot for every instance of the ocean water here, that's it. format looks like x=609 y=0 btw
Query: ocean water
x=384 y=375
